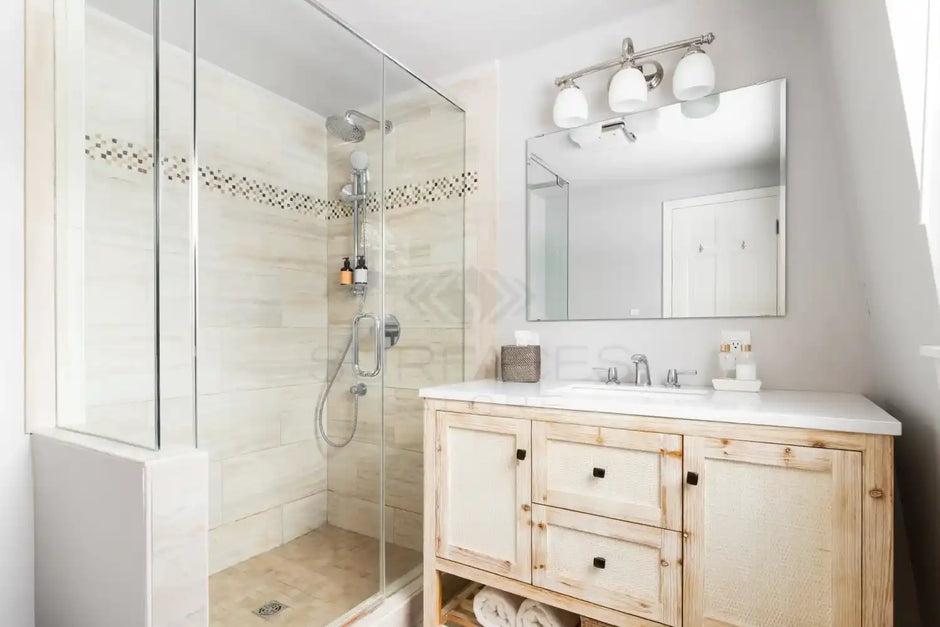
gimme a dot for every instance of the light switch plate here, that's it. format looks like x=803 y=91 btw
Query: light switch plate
x=737 y=339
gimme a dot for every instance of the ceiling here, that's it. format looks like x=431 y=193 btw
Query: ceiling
x=744 y=131
x=438 y=37
x=290 y=48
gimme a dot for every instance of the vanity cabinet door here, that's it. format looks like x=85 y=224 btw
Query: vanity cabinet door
x=483 y=494
x=630 y=475
x=772 y=534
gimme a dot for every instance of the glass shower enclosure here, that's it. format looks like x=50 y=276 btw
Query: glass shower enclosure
x=220 y=163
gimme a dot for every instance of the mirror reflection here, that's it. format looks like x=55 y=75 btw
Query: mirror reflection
x=676 y=212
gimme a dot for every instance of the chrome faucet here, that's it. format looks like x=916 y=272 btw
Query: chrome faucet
x=612 y=375
x=672 y=377
x=642 y=369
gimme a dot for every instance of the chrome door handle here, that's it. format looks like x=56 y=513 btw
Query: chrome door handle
x=378 y=345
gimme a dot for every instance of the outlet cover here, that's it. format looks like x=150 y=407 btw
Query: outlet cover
x=736 y=338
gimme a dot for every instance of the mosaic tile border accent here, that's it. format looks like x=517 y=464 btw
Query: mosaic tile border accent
x=139 y=159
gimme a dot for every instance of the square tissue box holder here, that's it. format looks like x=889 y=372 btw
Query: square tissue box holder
x=521 y=364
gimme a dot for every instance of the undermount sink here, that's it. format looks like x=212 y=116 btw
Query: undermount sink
x=657 y=391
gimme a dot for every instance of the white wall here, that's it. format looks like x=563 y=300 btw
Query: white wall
x=822 y=342
x=903 y=306
x=16 y=501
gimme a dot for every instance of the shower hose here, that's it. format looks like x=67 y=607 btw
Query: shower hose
x=321 y=402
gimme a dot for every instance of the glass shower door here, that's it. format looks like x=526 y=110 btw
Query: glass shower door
x=425 y=189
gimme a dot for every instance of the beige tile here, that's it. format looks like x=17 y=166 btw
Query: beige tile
x=236 y=423
x=404 y=419
x=237 y=541
x=258 y=481
x=355 y=470
x=404 y=479
x=304 y=515
x=179 y=498
x=297 y=411
x=353 y=514
x=431 y=357
x=215 y=494
x=407 y=530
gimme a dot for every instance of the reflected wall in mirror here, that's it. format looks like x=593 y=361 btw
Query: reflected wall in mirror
x=676 y=212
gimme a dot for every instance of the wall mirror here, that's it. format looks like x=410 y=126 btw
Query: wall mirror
x=676 y=212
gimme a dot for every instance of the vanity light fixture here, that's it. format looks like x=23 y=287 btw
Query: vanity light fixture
x=629 y=87
x=571 y=107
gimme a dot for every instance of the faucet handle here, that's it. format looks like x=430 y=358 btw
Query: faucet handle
x=638 y=358
x=672 y=376
x=613 y=376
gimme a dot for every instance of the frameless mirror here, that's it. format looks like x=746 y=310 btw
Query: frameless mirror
x=676 y=212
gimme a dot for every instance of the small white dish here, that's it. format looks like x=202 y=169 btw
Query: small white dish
x=736 y=385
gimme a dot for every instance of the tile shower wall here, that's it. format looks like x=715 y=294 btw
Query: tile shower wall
x=262 y=298
x=425 y=273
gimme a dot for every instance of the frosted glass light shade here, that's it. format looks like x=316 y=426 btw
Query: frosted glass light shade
x=694 y=77
x=571 y=108
x=628 y=91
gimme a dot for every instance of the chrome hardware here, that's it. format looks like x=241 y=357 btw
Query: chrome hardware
x=642 y=376
x=378 y=345
x=392 y=330
x=358 y=389
x=672 y=377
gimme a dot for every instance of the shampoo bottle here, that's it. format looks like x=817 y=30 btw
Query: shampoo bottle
x=346 y=273
x=361 y=273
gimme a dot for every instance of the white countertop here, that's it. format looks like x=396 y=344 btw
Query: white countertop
x=832 y=411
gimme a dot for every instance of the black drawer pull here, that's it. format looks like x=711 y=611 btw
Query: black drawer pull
x=600 y=562
x=600 y=473
x=691 y=478
x=520 y=454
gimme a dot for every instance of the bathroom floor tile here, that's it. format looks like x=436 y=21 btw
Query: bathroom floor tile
x=318 y=577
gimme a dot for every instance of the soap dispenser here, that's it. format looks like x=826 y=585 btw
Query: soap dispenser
x=361 y=273
x=346 y=273
x=746 y=367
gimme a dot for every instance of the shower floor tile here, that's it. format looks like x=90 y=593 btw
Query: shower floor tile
x=318 y=577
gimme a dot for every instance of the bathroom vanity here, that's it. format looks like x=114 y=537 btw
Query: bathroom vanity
x=648 y=506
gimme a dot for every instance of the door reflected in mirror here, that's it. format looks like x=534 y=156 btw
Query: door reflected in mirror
x=676 y=212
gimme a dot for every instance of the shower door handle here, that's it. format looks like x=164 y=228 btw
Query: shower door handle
x=378 y=345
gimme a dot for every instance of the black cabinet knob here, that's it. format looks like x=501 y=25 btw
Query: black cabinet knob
x=600 y=473
x=691 y=478
x=600 y=562
x=520 y=454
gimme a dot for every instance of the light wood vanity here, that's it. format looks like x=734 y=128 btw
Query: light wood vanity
x=770 y=509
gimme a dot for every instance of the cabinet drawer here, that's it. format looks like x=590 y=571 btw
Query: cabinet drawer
x=630 y=475
x=624 y=566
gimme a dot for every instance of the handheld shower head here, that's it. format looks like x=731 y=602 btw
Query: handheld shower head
x=359 y=160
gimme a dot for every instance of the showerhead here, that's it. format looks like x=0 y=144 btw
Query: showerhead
x=359 y=160
x=344 y=128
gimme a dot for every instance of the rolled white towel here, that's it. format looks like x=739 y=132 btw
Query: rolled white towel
x=534 y=614
x=495 y=608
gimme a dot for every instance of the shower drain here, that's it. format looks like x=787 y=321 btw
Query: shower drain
x=270 y=608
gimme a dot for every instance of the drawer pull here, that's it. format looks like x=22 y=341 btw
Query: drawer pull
x=600 y=562
x=599 y=473
x=520 y=454
x=691 y=478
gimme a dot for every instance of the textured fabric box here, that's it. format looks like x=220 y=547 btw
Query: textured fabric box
x=521 y=364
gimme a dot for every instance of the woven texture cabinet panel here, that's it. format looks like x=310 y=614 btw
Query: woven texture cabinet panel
x=639 y=571
x=484 y=493
x=773 y=535
x=629 y=475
